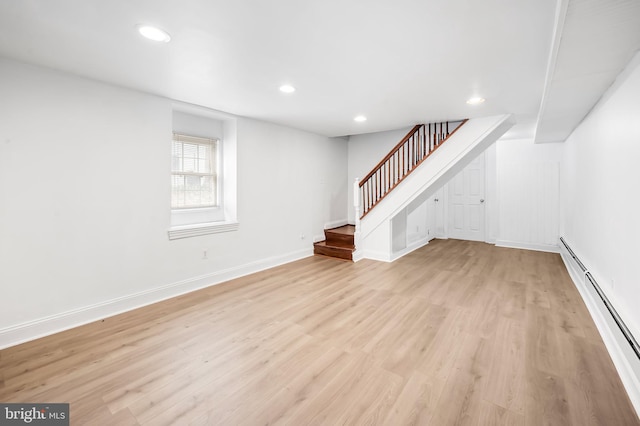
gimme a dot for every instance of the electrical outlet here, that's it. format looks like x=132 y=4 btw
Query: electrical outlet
x=204 y=254
x=302 y=236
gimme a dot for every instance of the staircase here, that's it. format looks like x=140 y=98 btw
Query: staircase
x=418 y=145
x=397 y=182
x=338 y=243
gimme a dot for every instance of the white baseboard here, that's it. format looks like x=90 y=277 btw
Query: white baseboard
x=20 y=333
x=528 y=246
x=380 y=256
x=620 y=352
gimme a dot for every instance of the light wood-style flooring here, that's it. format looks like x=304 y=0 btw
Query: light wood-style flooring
x=456 y=333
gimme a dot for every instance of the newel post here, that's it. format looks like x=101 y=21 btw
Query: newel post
x=357 y=204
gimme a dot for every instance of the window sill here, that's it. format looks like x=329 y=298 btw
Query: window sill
x=198 y=229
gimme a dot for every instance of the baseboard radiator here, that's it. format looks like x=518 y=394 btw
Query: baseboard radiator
x=614 y=314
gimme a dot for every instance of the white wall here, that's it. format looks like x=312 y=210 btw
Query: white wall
x=293 y=183
x=600 y=187
x=527 y=177
x=491 y=212
x=418 y=219
x=84 y=201
x=599 y=215
x=399 y=232
x=194 y=125
x=409 y=228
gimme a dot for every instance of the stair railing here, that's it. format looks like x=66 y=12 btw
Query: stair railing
x=409 y=153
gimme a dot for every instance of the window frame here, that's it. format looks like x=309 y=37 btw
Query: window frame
x=212 y=144
x=188 y=120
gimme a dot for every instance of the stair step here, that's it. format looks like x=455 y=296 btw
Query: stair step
x=342 y=236
x=339 y=243
x=328 y=249
x=344 y=230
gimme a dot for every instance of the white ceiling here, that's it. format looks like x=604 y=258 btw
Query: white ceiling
x=594 y=42
x=398 y=62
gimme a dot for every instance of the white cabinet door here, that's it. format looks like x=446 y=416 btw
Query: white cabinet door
x=466 y=202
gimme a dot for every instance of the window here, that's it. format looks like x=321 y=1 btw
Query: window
x=203 y=179
x=194 y=182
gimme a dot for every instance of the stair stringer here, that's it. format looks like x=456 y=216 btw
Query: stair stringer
x=373 y=238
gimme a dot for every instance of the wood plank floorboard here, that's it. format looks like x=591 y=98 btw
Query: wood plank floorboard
x=455 y=333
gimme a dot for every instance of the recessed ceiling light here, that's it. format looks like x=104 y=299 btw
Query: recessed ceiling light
x=475 y=101
x=287 y=88
x=360 y=118
x=154 y=33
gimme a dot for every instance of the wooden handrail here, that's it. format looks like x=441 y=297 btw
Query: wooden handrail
x=409 y=153
x=393 y=150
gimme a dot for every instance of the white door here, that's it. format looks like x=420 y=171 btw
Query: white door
x=466 y=202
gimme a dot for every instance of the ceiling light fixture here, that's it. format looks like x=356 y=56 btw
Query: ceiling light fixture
x=153 y=33
x=287 y=88
x=360 y=118
x=475 y=101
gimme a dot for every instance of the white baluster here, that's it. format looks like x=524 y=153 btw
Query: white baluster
x=356 y=202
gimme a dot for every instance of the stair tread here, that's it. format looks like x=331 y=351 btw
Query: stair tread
x=344 y=230
x=334 y=245
x=328 y=256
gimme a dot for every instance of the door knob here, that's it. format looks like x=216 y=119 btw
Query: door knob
x=482 y=200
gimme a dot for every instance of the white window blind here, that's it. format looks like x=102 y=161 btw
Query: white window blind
x=194 y=182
